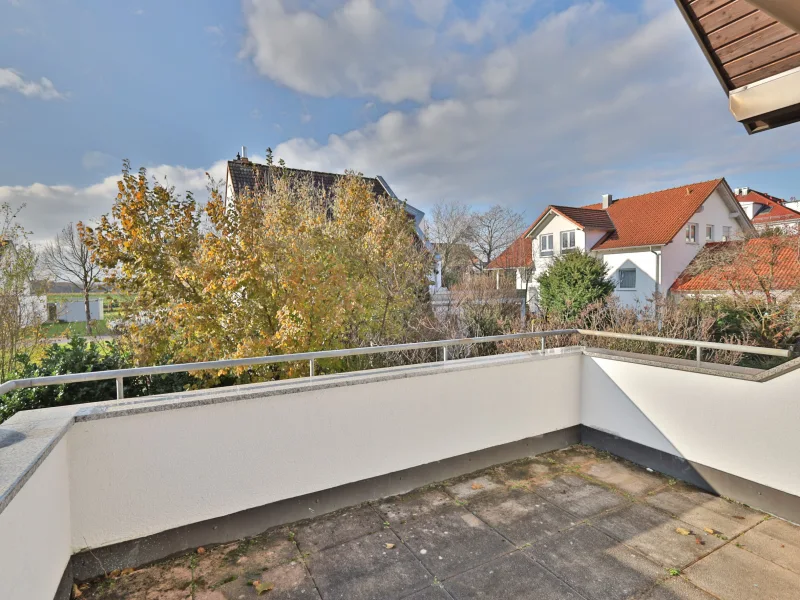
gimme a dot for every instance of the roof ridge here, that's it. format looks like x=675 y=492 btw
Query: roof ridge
x=677 y=187
x=250 y=163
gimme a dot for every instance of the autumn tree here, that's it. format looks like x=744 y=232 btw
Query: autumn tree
x=289 y=267
x=68 y=259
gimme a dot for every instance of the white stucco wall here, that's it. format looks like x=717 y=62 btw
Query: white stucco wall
x=646 y=265
x=35 y=543
x=741 y=427
x=140 y=474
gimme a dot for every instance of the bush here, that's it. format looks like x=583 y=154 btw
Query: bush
x=80 y=356
x=573 y=282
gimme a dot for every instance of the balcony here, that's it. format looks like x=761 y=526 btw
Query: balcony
x=572 y=471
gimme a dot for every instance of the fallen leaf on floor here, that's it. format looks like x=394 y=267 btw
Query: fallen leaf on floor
x=84 y=586
x=683 y=531
x=709 y=530
x=201 y=550
x=699 y=541
x=263 y=587
x=477 y=486
x=76 y=593
x=390 y=546
x=115 y=573
x=738 y=517
x=127 y=571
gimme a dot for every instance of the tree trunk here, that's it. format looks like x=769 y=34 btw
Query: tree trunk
x=87 y=309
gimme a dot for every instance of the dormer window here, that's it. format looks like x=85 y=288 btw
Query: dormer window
x=546 y=244
x=567 y=241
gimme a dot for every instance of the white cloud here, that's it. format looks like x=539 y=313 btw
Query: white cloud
x=591 y=101
x=430 y=11
x=48 y=208
x=11 y=79
x=357 y=49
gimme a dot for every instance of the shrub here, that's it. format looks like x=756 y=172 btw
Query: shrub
x=573 y=282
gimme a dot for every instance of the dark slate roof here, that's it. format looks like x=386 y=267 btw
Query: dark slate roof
x=245 y=174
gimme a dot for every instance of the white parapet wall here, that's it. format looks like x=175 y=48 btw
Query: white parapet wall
x=135 y=475
x=745 y=428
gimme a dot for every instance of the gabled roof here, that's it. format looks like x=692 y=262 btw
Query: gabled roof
x=772 y=210
x=245 y=174
x=652 y=219
x=739 y=265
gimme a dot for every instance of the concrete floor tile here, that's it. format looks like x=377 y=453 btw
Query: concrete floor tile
x=574 y=456
x=433 y=592
x=521 y=515
x=416 y=504
x=534 y=469
x=578 y=496
x=625 y=477
x=703 y=510
x=451 y=541
x=337 y=528
x=290 y=582
x=596 y=565
x=732 y=573
x=473 y=488
x=512 y=577
x=654 y=534
x=775 y=540
x=365 y=569
x=676 y=588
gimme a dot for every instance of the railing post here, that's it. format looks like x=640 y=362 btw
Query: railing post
x=120 y=389
x=444 y=353
x=311 y=368
x=699 y=355
x=542 y=343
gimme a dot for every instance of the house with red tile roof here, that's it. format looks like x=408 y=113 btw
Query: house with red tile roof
x=769 y=212
x=767 y=267
x=646 y=240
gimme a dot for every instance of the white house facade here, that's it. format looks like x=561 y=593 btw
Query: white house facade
x=646 y=241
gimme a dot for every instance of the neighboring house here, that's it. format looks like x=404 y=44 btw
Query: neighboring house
x=646 y=241
x=757 y=266
x=768 y=212
x=515 y=263
x=243 y=174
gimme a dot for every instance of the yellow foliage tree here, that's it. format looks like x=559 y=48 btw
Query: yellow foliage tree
x=289 y=268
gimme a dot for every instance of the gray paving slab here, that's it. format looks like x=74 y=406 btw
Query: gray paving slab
x=655 y=535
x=512 y=577
x=626 y=477
x=733 y=573
x=703 y=510
x=578 y=496
x=775 y=540
x=537 y=468
x=473 y=488
x=416 y=504
x=597 y=566
x=289 y=582
x=451 y=540
x=575 y=456
x=676 y=588
x=520 y=515
x=433 y=592
x=365 y=569
x=337 y=528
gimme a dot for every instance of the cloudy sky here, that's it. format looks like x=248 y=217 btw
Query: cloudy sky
x=518 y=102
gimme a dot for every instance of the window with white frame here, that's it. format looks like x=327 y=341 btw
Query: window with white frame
x=691 y=233
x=726 y=232
x=567 y=240
x=627 y=279
x=709 y=233
x=546 y=244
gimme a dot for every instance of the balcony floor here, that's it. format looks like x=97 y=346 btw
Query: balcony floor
x=571 y=524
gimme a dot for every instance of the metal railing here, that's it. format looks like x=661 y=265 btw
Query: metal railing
x=120 y=374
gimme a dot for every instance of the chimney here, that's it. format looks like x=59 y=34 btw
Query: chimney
x=608 y=200
x=744 y=191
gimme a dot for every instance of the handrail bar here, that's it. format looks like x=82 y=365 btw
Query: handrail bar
x=312 y=357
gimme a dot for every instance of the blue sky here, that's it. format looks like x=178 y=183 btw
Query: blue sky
x=517 y=102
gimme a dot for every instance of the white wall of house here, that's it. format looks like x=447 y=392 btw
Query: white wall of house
x=645 y=263
x=75 y=311
x=679 y=253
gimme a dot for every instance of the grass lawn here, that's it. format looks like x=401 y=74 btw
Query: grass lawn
x=55 y=330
